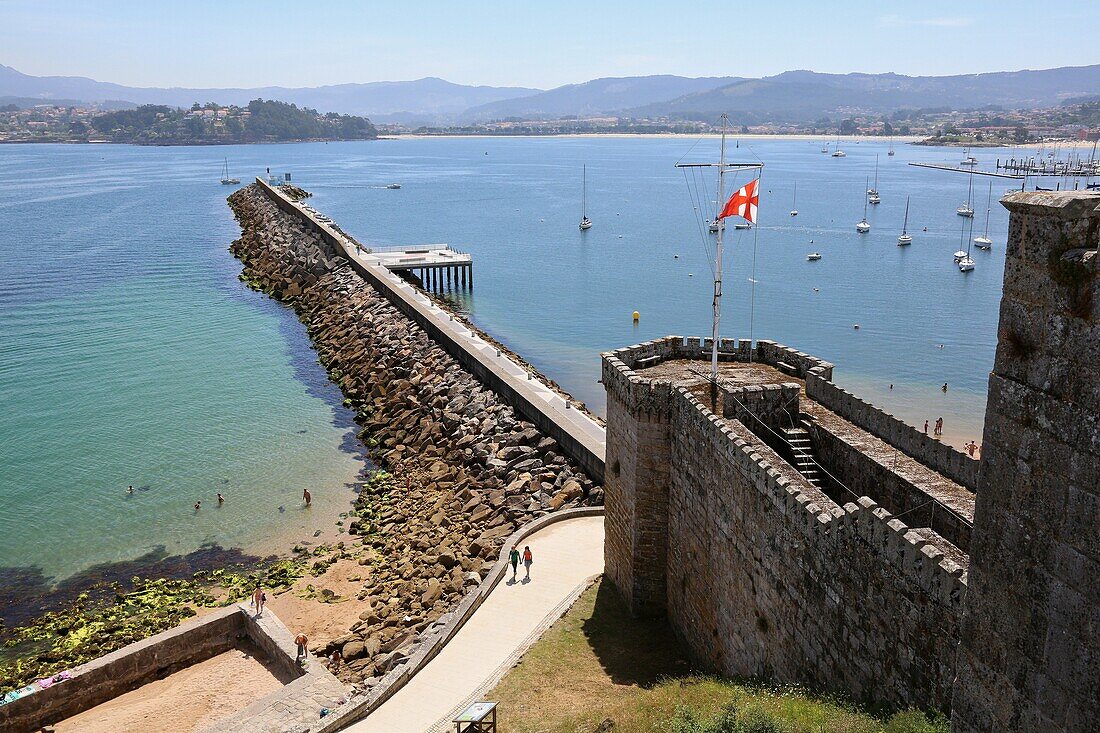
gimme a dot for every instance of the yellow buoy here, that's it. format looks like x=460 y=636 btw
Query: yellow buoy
x=637 y=315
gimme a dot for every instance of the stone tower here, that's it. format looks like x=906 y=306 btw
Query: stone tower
x=1029 y=658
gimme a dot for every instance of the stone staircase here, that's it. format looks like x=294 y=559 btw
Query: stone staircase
x=802 y=454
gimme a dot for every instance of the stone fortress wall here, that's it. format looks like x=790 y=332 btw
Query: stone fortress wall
x=1029 y=659
x=760 y=571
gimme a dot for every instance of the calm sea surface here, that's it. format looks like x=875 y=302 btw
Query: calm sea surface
x=130 y=353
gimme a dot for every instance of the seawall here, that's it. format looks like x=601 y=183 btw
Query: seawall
x=580 y=437
x=465 y=469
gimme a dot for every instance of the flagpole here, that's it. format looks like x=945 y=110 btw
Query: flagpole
x=718 y=258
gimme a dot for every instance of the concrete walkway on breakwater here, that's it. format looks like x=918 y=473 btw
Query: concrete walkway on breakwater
x=581 y=438
x=567 y=555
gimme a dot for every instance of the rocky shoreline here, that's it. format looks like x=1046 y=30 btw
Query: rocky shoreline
x=459 y=470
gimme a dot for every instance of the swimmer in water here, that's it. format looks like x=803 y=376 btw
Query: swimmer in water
x=221 y=499
x=198 y=505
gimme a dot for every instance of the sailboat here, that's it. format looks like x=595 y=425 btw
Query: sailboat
x=794 y=200
x=872 y=193
x=863 y=227
x=969 y=159
x=226 y=180
x=962 y=258
x=586 y=223
x=825 y=146
x=965 y=209
x=838 y=153
x=984 y=242
x=890 y=152
x=905 y=238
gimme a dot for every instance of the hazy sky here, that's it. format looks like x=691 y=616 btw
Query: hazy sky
x=205 y=43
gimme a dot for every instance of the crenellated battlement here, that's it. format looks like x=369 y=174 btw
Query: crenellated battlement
x=757 y=567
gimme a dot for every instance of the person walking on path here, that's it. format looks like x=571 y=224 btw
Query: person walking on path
x=303 y=648
x=258 y=599
x=513 y=557
x=307 y=497
x=527 y=560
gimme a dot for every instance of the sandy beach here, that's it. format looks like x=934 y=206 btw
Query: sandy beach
x=188 y=700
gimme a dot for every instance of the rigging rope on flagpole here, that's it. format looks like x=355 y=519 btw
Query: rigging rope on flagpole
x=696 y=212
x=752 y=278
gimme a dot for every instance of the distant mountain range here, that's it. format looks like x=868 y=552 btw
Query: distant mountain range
x=806 y=95
x=793 y=96
x=424 y=97
x=597 y=97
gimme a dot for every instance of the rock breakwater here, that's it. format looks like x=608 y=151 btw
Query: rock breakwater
x=459 y=471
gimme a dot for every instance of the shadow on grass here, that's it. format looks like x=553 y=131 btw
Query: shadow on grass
x=632 y=651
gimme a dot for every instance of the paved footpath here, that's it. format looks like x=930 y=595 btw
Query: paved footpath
x=567 y=554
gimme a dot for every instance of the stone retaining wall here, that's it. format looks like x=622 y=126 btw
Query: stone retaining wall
x=294 y=705
x=125 y=669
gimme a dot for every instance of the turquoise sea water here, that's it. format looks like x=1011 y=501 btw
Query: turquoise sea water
x=130 y=353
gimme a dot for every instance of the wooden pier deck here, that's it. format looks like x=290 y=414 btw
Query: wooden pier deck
x=436 y=266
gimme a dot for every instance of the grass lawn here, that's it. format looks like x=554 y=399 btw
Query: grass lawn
x=597 y=670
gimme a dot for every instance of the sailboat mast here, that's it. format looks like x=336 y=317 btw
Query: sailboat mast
x=718 y=257
x=988 y=204
x=584 y=192
x=905 y=221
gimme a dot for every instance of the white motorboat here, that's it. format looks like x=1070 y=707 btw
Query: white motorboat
x=743 y=225
x=838 y=153
x=714 y=225
x=394 y=186
x=813 y=256
x=905 y=238
x=586 y=223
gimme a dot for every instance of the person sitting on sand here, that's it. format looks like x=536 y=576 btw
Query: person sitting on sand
x=335 y=659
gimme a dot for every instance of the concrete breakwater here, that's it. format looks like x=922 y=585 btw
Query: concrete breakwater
x=464 y=470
